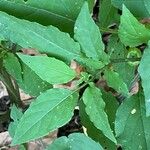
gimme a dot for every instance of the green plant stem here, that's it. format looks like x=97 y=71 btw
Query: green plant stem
x=112 y=61
x=90 y=80
x=12 y=90
x=106 y=30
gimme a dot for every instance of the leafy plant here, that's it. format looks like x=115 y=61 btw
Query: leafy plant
x=114 y=105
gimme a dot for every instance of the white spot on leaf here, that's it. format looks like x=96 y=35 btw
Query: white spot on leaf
x=140 y=147
x=133 y=111
x=75 y=28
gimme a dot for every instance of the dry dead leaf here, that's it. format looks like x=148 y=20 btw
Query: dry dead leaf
x=5 y=139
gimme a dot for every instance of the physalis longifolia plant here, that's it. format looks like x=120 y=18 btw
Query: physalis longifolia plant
x=63 y=58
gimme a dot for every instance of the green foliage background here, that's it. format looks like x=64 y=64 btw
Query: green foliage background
x=116 y=113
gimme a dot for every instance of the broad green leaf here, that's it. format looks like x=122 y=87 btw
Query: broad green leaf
x=92 y=131
x=12 y=128
x=116 y=82
x=49 y=69
x=48 y=40
x=88 y=35
x=131 y=32
x=45 y=114
x=131 y=125
x=94 y=107
x=139 y=8
x=111 y=106
x=55 y=12
x=107 y=17
x=24 y=75
x=11 y=60
x=144 y=71
x=91 y=64
x=73 y=142
x=118 y=54
x=16 y=115
x=147 y=5
x=61 y=143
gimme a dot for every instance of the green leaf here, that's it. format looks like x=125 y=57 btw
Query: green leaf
x=111 y=106
x=92 y=131
x=131 y=32
x=73 y=142
x=24 y=75
x=115 y=81
x=91 y=64
x=12 y=128
x=16 y=115
x=48 y=40
x=13 y=66
x=139 y=8
x=118 y=52
x=62 y=143
x=45 y=114
x=55 y=12
x=107 y=17
x=147 y=5
x=92 y=98
x=88 y=35
x=49 y=69
x=144 y=71
x=131 y=125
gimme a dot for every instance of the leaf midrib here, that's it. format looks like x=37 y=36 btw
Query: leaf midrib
x=37 y=9
x=70 y=74
x=47 y=40
x=46 y=113
x=41 y=37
